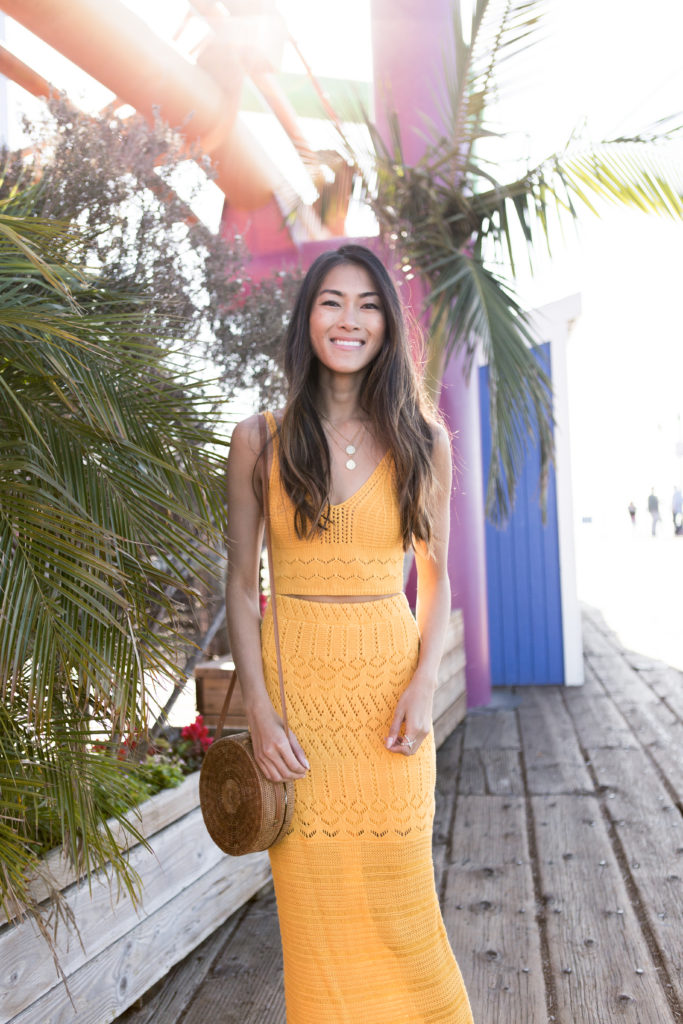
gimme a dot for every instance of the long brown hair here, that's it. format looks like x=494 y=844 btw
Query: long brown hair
x=391 y=396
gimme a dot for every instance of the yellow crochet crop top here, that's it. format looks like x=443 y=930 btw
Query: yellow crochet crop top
x=360 y=552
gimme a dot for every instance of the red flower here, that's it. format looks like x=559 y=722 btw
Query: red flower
x=198 y=733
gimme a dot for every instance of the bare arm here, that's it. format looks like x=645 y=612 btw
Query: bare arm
x=279 y=756
x=414 y=708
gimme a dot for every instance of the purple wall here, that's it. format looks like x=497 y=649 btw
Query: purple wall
x=411 y=43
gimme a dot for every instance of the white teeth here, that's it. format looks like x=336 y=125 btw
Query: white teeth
x=346 y=343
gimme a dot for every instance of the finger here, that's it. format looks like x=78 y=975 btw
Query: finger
x=411 y=740
x=287 y=763
x=393 y=739
x=298 y=751
x=278 y=762
x=279 y=772
x=407 y=745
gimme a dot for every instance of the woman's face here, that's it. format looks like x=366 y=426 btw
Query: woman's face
x=347 y=322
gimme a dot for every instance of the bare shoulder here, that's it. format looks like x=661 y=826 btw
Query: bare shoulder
x=246 y=438
x=442 y=451
x=442 y=456
x=442 y=439
x=246 y=443
x=243 y=486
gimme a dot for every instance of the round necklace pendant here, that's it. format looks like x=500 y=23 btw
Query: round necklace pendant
x=350 y=449
x=350 y=464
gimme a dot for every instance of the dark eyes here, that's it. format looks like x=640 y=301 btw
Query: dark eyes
x=334 y=302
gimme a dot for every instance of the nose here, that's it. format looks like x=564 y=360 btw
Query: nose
x=347 y=318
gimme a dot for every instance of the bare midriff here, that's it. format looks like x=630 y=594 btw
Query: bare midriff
x=341 y=598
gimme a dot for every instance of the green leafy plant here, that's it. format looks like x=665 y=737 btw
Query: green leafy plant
x=111 y=511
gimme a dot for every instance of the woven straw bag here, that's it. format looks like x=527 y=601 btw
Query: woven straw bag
x=243 y=810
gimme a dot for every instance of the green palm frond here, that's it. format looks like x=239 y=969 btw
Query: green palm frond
x=500 y=30
x=520 y=391
x=111 y=508
x=637 y=172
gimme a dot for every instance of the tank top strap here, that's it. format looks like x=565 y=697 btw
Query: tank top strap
x=274 y=473
x=272 y=425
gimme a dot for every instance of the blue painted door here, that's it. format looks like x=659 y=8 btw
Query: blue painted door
x=523 y=574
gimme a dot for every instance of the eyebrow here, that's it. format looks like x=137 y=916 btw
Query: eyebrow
x=334 y=291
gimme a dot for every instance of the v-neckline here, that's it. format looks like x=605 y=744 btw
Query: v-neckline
x=359 y=491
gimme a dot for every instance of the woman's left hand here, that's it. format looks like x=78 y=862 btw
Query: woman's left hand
x=413 y=718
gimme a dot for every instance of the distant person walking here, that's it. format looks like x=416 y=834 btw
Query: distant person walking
x=653 y=509
x=632 y=512
x=677 y=510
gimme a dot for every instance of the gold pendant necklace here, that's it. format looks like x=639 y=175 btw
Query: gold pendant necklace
x=350 y=447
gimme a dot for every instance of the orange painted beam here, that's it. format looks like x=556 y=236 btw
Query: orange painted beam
x=114 y=46
x=15 y=69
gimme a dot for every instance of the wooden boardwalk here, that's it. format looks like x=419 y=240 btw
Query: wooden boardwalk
x=559 y=861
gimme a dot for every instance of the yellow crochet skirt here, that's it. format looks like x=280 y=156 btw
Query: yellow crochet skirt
x=362 y=933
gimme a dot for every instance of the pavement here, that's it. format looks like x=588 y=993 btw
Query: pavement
x=636 y=581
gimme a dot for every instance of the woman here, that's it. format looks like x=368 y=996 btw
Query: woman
x=361 y=471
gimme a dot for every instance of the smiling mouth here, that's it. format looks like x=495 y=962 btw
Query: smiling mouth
x=348 y=342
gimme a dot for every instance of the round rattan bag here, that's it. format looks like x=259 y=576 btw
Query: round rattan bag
x=243 y=810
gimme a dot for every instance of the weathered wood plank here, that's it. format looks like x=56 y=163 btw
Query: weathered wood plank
x=596 y=945
x=244 y=985
x=489 y=911
x=598 y=721
x=449 y=720
x=553 y=759
x=26 y=970
x=650 y=829
x=492 y=730
x=598 y=641
x=108 y=983
x=591 y=682
x=447 y=764
x=639 y=661
x=448 y=692
x=453 y=659
x=495 y=772
x=168 y=1000
x=447 y=767
x=652 y=724
x=667 y=683
x=661 y=733
x=593 y=618
x=621 y=681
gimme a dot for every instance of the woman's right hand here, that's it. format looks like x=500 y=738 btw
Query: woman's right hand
x=279 y=756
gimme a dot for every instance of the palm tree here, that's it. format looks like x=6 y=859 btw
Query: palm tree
x=110 y=511
x=454 y=218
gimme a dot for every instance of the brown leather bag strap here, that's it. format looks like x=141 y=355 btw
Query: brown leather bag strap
x=265 y=494
x=265 y=461
x=226 y=704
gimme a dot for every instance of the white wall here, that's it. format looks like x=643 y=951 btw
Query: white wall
x=554 y=323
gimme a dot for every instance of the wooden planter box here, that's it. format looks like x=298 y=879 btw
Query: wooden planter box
x=189 y=889
x=211 y=682
x=450 y=699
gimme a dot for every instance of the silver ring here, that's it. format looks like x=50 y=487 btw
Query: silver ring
x=408 y=741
